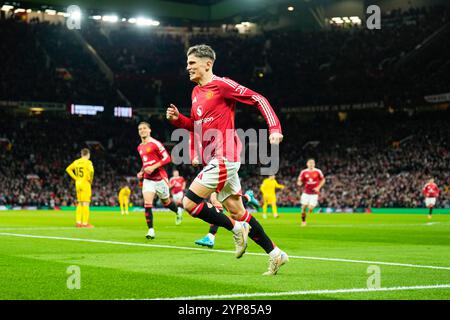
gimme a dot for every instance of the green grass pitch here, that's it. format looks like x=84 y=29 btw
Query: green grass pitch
x=332 y=253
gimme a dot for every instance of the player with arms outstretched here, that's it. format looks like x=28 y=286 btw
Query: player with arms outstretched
x=431 y=192
x=155 y=180
x=82 y=172
x=268 y=190
x=212 y=121
x=313 y=180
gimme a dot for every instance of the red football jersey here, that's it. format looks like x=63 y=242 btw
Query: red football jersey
x=176 y=183
x=311 y=179
x=212 y=118
x=431 y=190
x=151 y=153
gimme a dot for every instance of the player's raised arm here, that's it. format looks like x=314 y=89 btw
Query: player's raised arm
x=178 y=119
x=232 y=90
x=70 y=168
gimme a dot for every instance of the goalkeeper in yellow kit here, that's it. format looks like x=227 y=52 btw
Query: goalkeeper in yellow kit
x=82 y=171
x=124 y=199
x=268 y=188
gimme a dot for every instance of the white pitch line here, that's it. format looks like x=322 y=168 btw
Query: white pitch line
x=36 y=228
x=305 y=292
x=372 y=225
x=135 y=244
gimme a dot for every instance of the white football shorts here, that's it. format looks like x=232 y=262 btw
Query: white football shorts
x=430 y=202
x=309 y=199
x=160 y=187
x=222 y=176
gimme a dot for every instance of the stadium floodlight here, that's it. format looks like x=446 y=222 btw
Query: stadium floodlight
x=18 y=10
x=50 y=12
x=64 y=14
x=29 y=10
x=124 y=19
x=355 y=19
x=97 y=17
x=346 y=19
x=6 y=7
x=290 y=8
x=146 y=22
x=112 y=19
x=132 y=20
x=337 y=20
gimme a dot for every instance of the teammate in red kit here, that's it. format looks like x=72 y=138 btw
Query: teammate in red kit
x=155 y=181
x=212 y=122
x=177 y=185
x=431 y=192
x=313 y=180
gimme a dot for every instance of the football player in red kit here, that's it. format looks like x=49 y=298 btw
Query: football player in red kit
x=312 y=179
x=431 y=192
x=211 y=120
x=155 y=181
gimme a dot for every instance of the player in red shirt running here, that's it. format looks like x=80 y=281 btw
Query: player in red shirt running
x=212 y=122
x=177 y=185
x=431 y=192
x=154 y=156
x=313 y=180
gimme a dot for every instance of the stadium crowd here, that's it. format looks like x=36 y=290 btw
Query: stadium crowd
x=330 y=66
x=366 y=165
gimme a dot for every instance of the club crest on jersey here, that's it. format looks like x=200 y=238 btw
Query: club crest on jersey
x=209 y=94
x=148 y=150
x=199 y=111
x=145 y=158
x=195 y=100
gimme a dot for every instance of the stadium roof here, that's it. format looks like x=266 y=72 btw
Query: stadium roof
x=194 y=10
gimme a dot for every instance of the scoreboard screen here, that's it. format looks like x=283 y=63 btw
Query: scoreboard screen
x=123 y=112
x=85 y=109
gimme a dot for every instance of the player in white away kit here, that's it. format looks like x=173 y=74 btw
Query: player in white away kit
x=431 y=192
x=212 y=123
x=312 y=179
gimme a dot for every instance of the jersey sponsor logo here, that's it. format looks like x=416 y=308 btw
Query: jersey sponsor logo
x=148 y=149
x=199 y=111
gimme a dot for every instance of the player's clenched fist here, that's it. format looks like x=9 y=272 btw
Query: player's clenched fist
x=172 y=112
x=275 y=138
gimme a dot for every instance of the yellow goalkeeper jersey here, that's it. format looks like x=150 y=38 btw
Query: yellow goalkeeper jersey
x=124 y=192
x=81 y=170
x=269 y=186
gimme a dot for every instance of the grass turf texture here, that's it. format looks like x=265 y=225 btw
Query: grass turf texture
x=36 y=268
